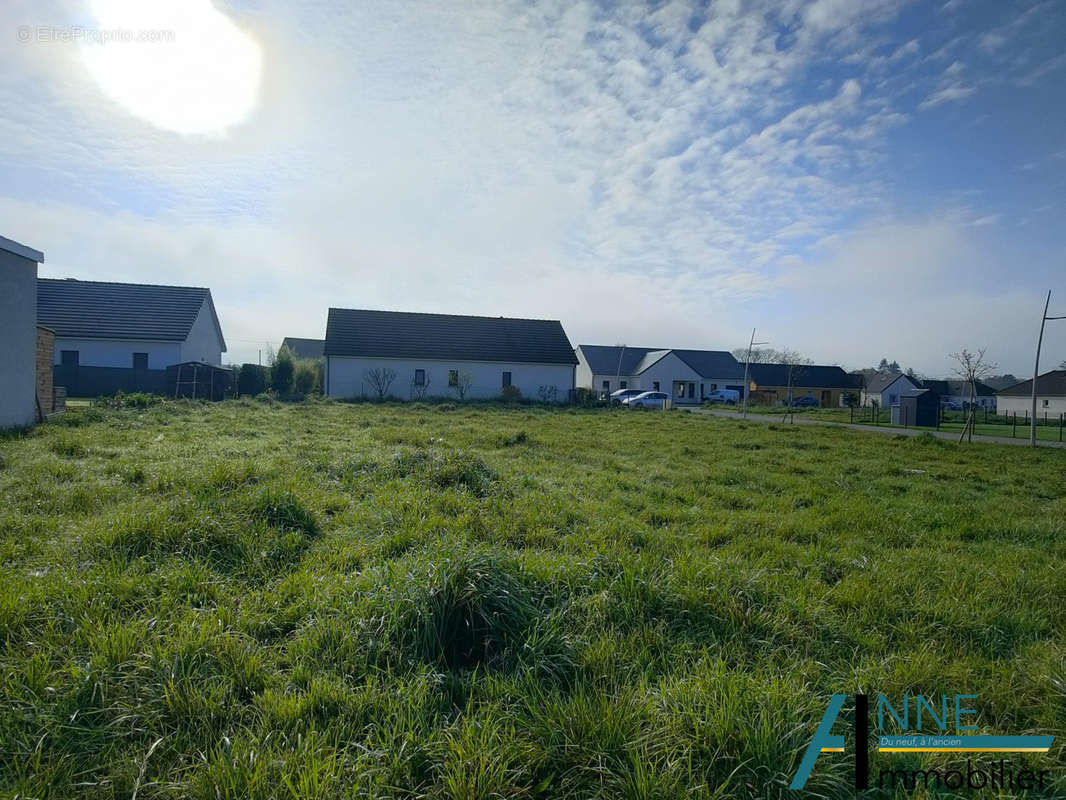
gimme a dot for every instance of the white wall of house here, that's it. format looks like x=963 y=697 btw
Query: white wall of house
x=889 y=396
x=202 y=343
x=667 y=372
x=18 y=340
x=1052 y=406
x=346 y=377
x=119 y=352
x=612 y=383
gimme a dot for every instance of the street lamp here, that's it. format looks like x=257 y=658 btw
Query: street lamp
x=1036 y=368
x=747 y=360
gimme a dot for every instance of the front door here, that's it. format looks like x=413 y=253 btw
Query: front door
x=826 y=397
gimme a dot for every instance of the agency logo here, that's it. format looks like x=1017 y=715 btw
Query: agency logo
x=951 y=713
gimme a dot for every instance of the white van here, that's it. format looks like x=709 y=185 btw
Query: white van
x=728 y=396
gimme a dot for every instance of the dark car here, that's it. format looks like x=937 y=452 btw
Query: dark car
x=804 y=402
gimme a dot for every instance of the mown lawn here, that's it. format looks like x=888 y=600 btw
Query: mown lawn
x=330 y=600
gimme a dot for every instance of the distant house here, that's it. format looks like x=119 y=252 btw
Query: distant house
x=18 y=333
x=112 y=336
x=829 y=385
x=687 y=375
x=1050 y=396
x=445 y=355
x=885 y=388
x=952 y=391
x=304 y=348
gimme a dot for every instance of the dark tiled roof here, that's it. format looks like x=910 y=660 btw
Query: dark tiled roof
x=876 y=384
x=305 y=348
x=1050 y=384
x=604 y=359
x=712 y=363
x=804 y=375
x=958 y=388
x=98 y=310
x=401 y=334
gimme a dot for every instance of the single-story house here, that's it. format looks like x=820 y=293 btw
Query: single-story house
x=687 y=375
x=414 y=355
x=123 y=336
x=951 y=391
x=304 y=348
x=885 y=388
x=829 y=385
x=18 y=333
x=1050 y=396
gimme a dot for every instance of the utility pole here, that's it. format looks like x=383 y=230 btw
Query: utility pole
x=747 y=360
x=1036 y=367
x=618 y=372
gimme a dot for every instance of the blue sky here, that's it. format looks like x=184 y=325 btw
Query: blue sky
x=856 y=178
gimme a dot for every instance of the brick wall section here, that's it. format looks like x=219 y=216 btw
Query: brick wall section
x=46 y=346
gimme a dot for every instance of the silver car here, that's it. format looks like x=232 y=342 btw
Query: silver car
x=648 y=400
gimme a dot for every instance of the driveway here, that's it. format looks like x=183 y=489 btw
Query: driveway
x=882 y=429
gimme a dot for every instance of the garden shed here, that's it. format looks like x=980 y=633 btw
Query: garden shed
x=917 y=409
x=200 y=381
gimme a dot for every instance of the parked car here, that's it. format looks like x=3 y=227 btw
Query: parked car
x=621 y=395
x=648 y=400
x=728 y=396
x=804 y=402
x=952 y=405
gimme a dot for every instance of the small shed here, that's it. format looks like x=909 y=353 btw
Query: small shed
x=199 y=381
x=917 y=409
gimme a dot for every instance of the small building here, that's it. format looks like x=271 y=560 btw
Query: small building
x=413 y=355
x=18 y=333
x=829 y=385
x=51 y=399
x=885 y=388
x=304 y=349
x=198 y=381
x=122 y=336
x=917 y=409
x=1050 y=396
x=958 y=392
x=687 y=375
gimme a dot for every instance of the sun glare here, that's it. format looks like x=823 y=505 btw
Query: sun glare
x=182 y=65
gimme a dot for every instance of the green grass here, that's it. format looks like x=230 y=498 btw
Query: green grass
x=325 y=600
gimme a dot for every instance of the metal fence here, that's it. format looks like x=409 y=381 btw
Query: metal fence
x=1011 y=423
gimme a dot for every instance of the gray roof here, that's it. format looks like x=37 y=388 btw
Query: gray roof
x=876 y=384
x=402 y=334
x=604 y=360
x=98 y=310
x=1050 y=384
x=22 y=250
x=813 y=376
x=304 y=348
x=958 y=388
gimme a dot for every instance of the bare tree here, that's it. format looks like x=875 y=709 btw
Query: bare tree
x=380 y=380
x=420 y=390
x=794 y=364
x=463 y=382
x=972 y=367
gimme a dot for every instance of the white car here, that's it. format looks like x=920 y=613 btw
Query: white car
x=648 y=400
x=621 y=395
x=728 y=396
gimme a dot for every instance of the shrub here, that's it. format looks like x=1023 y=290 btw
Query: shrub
x=253 y=379
x=305 y=379
x=511 y=394
x=281 y=373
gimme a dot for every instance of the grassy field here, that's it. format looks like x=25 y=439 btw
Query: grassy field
x=953 y=421
x=255 y=600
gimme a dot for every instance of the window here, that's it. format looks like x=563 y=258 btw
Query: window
x=69 y=358
x=892 y=398
x=507 y=379
x=453 y=377
x=655 y=386
x=1045 y=403
x=679 y=389
x=622 y=384
x=606 y=386
x=420 y=377
x=140 y=361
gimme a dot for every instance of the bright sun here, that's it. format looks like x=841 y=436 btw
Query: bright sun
x=202 y=79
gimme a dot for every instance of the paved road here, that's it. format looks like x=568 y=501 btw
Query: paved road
x=883 y=429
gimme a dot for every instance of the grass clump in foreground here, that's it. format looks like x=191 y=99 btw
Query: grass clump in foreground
x=327 y=600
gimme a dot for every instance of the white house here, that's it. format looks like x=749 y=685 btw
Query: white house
x=1050 y=396
x=129 y=325
x=18 y=333
x=413 y=355
x=688 y=375
x=885 y=388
